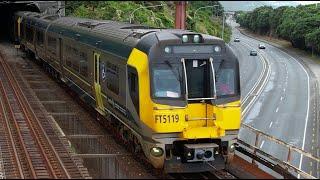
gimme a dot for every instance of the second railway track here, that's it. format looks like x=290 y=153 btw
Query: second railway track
x=26 y=149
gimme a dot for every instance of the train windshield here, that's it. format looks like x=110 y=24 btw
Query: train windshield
x=226 y=80
x=167 y=80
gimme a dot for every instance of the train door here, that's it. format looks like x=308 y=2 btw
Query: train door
x=18 y=33
x=199 y=93
x=97 y=86
x=197 y=82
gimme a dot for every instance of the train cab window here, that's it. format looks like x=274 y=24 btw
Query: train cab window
x=112 y=77
x=29 y=34
x=167 y=81
x=134 y=86
x=52 y=45
x=226 y=85
x=40 y=38
x=74 y=54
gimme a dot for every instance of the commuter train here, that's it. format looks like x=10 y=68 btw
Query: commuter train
x=175 y=94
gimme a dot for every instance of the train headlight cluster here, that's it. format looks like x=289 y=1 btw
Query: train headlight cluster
x=156 y=151
x=202 y=154
x=199 y=152
x=192 y=38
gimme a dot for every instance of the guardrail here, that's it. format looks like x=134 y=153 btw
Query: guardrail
x=281 y=167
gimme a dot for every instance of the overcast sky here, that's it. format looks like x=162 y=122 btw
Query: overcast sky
x=307 y=2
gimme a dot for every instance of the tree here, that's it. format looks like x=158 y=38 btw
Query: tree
x=299 y=25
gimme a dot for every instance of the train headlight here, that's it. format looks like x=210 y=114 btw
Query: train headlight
x=184 y=38
x=196 y=38
x=156 y=151
x=232 y=148
x=217 y=49
x=189 y=155
x=167 y=49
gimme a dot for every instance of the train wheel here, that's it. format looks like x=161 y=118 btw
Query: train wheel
x=137 y=145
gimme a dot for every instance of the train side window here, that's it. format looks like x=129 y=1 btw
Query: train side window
x=52 y=45
x=134 y=86
x=74 y=59
x=29 y=34
x=40 y=39
x=68 y=56
x=112 y=77
x=83 y=64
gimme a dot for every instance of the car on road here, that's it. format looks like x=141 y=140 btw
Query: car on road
x=236 y=40
x=253 y=53
x=262 y=46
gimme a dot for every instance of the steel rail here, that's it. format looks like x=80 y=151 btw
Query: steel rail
x=11 y=141
x=32 y=171
x=31 y=113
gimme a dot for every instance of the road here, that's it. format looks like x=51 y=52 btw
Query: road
x=285 y=108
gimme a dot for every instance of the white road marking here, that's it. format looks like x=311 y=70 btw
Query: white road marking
x=270 y=124
x=261 y=144
x=281 y=98
x=277 y=109
x=284 y=89
x=318 y=163
x=255 y=86
x=308 y=104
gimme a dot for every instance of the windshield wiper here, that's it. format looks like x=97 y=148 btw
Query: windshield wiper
x=219 y=68
x=175 y=74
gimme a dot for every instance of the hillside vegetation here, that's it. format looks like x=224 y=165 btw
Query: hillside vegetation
x=300 y=25
x=207 y=20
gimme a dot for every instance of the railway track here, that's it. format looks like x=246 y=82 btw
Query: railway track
x=27 y=149
x=222 y=174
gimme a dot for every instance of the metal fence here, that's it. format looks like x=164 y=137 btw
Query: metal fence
x=279 y=166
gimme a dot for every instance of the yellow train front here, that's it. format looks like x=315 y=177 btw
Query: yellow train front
x=189 y=92
x=176 y=92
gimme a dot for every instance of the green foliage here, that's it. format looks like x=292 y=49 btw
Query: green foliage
x=300 y=25
x=207 y=20
x=313 y=39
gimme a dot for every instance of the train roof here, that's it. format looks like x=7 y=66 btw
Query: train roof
x=118 y=37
